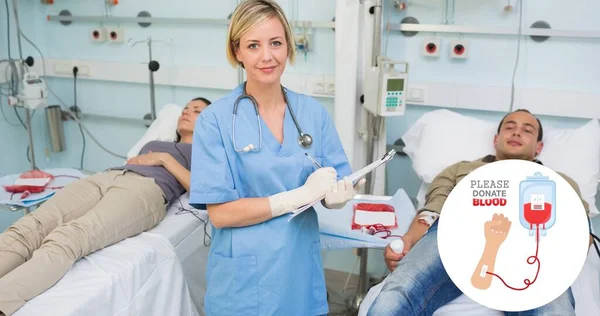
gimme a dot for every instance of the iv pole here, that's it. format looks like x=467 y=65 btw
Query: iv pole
x=153 y=66
x=363 y=282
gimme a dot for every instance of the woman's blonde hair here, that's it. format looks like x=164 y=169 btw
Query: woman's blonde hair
x=249 y=14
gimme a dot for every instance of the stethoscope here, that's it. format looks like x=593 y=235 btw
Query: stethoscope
x=304 y=140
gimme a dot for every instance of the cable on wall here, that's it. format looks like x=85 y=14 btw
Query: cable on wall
x=512 y=88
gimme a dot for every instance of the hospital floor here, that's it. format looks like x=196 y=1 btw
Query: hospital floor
x=339 y=292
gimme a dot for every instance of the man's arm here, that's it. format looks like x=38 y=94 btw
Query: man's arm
x=438 y=192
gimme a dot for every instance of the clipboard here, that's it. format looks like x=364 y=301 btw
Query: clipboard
x=354 y=177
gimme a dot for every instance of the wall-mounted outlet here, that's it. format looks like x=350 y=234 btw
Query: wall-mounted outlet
x=83 y=69
x=318 y=87
x=329 y=85
x=459 y=49
x=115 y=35
x=324 y=86
x=432 y=47
x=63 y=68
x=98 y=34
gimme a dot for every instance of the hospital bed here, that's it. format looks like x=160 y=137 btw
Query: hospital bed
x=573 y=151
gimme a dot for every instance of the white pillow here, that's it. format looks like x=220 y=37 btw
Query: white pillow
x=164 y=128
x=576 y=153
x=441 y=138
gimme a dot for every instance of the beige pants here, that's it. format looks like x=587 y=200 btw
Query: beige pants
x=85 y=216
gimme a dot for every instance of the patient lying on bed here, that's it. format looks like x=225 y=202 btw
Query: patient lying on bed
x=93 y=213
x=419 y=284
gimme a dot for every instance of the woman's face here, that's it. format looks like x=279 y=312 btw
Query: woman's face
x=263 y=51
x=188 y=116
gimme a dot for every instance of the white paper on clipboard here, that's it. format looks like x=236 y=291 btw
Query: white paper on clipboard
x=354 y=177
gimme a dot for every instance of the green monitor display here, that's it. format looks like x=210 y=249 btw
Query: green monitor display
x=395 y=85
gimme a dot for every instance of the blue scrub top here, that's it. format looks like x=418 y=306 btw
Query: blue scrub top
x=274 y=267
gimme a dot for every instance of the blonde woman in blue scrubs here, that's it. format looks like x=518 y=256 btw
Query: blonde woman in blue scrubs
x=251 y=171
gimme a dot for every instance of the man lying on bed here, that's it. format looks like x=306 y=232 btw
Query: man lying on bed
x=93 y=213
x=419 y=284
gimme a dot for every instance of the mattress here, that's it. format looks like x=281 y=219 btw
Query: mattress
x=159 y=272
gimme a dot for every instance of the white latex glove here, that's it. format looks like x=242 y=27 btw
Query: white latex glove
x=342 y=192
x=316 y=186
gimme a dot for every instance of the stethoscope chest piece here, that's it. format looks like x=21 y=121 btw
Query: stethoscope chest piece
x=305 y=141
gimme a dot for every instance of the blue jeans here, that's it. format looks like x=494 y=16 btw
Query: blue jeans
x=420 y=285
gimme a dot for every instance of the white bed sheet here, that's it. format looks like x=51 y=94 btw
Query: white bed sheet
x=159 y=272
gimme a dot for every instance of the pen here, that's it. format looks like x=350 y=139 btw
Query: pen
x=313 y=160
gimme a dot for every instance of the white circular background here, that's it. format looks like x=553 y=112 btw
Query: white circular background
x=562 y=252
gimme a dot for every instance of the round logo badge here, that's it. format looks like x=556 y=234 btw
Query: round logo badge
x=513 y=235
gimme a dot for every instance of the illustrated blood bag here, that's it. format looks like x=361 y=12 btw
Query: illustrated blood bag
x=537 y=203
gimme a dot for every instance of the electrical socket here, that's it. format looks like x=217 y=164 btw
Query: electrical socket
x=63 y=68
x=318 y=87
x=115 y=35
x=83 y=69
x=324 y=86
x=329 y=85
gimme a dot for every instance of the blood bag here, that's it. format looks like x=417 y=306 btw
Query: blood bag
x=537 y=203
x=369 y=214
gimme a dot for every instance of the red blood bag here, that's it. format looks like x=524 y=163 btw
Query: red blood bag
x=32 y=188
x=371 y=214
